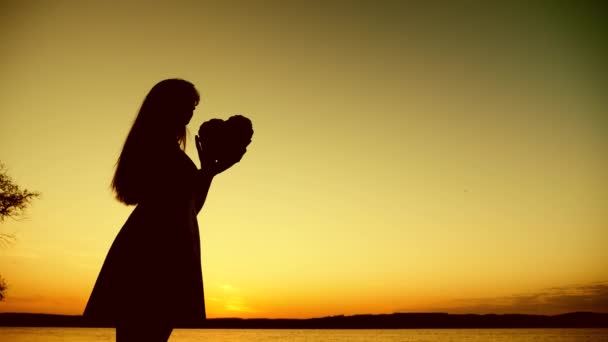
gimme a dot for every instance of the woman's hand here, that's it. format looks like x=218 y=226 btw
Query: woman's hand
x=204 y=158
x=210 y=164
x=222 y=165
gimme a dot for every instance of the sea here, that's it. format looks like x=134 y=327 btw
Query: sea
x=10 y=334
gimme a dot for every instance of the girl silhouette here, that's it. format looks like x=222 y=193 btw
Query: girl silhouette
x=151 y=279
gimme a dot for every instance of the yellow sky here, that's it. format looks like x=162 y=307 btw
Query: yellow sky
x=405 y=158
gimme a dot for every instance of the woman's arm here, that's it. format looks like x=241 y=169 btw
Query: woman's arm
x=202 y=184
x=209 y=168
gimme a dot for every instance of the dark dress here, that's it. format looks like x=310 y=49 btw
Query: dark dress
x=152 y=272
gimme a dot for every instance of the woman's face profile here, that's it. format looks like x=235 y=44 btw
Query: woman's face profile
x=186 y=112
x=190 y=113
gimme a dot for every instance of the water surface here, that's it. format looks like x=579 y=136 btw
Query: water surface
x=289 y=335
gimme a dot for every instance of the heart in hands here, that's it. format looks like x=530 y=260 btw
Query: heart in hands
x=223 y=143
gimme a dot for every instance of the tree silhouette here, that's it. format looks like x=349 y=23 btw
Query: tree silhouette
x=2 y=288
x=13 y=202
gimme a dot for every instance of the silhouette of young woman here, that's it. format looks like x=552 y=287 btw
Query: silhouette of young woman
x=151 y=279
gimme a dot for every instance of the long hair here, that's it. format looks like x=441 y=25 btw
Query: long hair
x=159 y=126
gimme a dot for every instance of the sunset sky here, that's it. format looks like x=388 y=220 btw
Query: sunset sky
x=405 y=157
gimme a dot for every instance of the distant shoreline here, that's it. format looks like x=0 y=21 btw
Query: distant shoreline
x=381 y=321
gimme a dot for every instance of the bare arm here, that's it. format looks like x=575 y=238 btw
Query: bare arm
x=204 y=176
x=202 y=184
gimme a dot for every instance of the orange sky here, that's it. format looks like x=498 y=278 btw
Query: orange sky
x=405 y=158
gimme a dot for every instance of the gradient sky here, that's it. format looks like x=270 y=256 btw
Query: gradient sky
x=405 y=157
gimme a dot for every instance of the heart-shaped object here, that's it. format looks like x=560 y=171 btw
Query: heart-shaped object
x=225 y=140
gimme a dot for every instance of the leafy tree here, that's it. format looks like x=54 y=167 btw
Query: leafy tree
x=2 y=288
x=13 y=202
